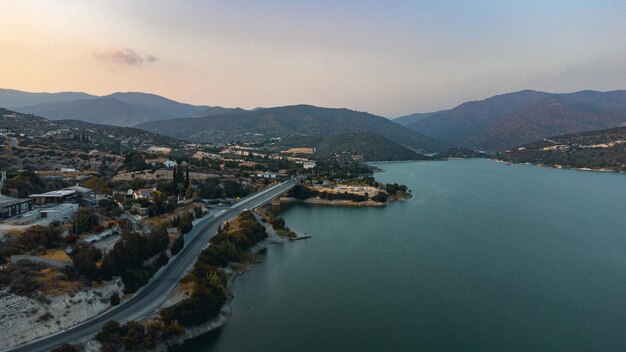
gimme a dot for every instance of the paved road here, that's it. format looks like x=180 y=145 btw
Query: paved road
x=147 y=300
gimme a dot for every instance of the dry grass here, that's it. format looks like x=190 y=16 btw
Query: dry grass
x=186 y=288
x=56 y=254
x=234 y=224
x=299 y=151
x=54 y=284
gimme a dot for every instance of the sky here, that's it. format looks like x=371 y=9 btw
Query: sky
x=389 y=58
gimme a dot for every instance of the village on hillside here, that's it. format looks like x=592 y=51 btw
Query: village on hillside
x=88 y=215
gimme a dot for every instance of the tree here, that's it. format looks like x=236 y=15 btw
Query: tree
x=162 y=260
x=115 y=298
x=134 y=339
x=198 y=212
x=278 y=223
x=110 y=332
x=381 y=197
x=185 y=224
x=110 y=206
x=178 y=244
x=159 y=203
x=136 y=249
x=191 y=193
x=187 y=179
x=97 y=184
x=85 y=220
x=66 y=347
x=84 y=256
x=135 y=162
x=210 y=189
x=39 y=237
x=25 y=183
x=301 y=192
x=157 y=240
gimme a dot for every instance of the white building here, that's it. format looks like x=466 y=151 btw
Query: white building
x=170 y=163
x=308 y=164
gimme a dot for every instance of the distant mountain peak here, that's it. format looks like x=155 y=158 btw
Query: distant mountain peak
x=119 y=108
x=504 y=120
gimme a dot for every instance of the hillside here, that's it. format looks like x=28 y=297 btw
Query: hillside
x=601 y=149
x=103 y=136
x=507 y=120
x=551 y=117
x=289 y=121
x=371 y=146
x=120 y=109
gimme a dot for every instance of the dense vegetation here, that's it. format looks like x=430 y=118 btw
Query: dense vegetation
x=33 y=239
x=278 y=224
x=22 y=184
x=231 y=244
x=394 y=190
x=134 y=336
x=301 y=192
x=136 y=258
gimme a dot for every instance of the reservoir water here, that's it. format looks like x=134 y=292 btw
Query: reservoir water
x=486 y=257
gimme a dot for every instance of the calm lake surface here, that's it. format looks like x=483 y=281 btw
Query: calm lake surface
x=486 y=257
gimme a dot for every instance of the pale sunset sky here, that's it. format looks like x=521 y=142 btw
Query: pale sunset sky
x=389 y=58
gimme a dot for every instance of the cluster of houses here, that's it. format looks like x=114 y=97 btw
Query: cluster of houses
x=54 y=205
x=249 y=151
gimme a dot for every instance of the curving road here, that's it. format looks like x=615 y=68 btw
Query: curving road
x=149 y=298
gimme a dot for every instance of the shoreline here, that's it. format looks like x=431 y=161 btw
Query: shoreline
x=224 y=316
x=560 y=167
x=226 y=312
x=342 y=202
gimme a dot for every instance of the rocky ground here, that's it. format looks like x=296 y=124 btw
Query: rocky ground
x=24 y=319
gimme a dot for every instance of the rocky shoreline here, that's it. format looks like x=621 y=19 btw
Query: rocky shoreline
x=343 y=202
x=557 y=166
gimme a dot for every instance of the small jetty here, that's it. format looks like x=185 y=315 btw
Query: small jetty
x=300 y=237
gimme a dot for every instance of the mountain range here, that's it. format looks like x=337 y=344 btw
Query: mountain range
x=492 y=124
x=507 y=120
x=118 y=109
x=302 y=121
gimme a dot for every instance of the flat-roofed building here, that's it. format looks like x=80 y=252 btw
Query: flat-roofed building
x=70 y=195
x=86 y=196
x=55 y=197
x=10 y=207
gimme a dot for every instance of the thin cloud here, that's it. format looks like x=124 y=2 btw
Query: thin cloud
x=125 y=56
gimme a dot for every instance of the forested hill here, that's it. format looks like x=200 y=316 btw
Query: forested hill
x=602 y=149
x=371 y=146
x=302 y=120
